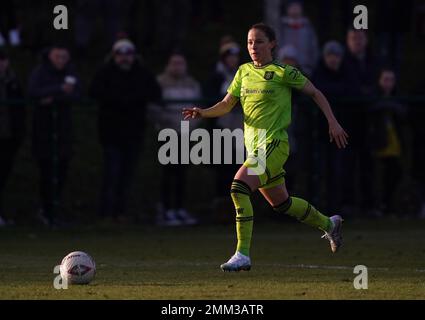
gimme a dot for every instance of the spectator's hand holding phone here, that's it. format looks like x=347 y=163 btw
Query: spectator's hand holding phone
x=68 y=86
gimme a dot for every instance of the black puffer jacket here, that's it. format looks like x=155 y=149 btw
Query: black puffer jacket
x=335 y=85
x=364 y=71
x=122 y=97
x=46 y=81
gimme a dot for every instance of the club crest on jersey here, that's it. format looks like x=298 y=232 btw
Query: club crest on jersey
x=269 y=75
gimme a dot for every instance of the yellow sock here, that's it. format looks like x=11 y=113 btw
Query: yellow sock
x=305 y=212
x=240 y=193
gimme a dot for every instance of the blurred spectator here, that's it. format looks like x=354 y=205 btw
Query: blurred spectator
x=333 y=79
x=176 y=84
x=122 y=86
x=54 y=86
x=225 y=69
x=362 y=68
x=272 y=13
x=9 y=31
x=12 y=124
x=387 y=132
x=297 y=30
x=360 y=62
x=85 y=18
x=331 y=75
x=288 y=55
x=216 y=88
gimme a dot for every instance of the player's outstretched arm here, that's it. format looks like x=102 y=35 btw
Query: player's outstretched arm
x=336 y=132
x=218 y=110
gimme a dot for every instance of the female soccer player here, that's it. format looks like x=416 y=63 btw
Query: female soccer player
x=263 y=87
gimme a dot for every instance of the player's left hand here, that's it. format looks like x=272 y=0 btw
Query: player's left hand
x=338 y=134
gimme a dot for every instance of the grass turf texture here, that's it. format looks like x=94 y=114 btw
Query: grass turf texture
x=290 y=261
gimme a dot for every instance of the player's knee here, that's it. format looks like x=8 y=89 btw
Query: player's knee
x=284 y=206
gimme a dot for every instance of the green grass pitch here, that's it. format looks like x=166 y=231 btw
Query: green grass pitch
x=290 y=261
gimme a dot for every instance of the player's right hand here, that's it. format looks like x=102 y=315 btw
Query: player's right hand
x=337 y=134
x=192 y=113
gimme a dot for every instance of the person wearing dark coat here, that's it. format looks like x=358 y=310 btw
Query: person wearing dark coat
x=122 y=87
x=12 y=124
x=216 y=88
x=334 y=80
x=388 y=133
x=53 y=86
x=363 y=68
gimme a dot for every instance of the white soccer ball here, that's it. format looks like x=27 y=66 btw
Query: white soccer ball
x=78 y=268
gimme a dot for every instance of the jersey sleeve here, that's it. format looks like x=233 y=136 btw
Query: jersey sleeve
x=236 y=85
x=292 y=77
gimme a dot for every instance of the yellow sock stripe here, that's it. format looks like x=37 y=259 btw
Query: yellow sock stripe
x=283 y=207
x=307 y=213
x=239 y=185
x=233 y=190
x=244 y=219
x=243 y=183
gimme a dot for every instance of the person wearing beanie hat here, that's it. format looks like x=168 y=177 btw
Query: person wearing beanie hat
x=288 y=51
x=288 y=55
x=229 y=48
x=216 y=87
x=333 y=79
x=333 y=53
x=333 y=47
x=124 y=54
x=123 y=87
x=225 y=68
x=123 y=46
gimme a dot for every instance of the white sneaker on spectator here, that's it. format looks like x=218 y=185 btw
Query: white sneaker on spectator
x=169 y=218
x=14 y=38
x=185 y=217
